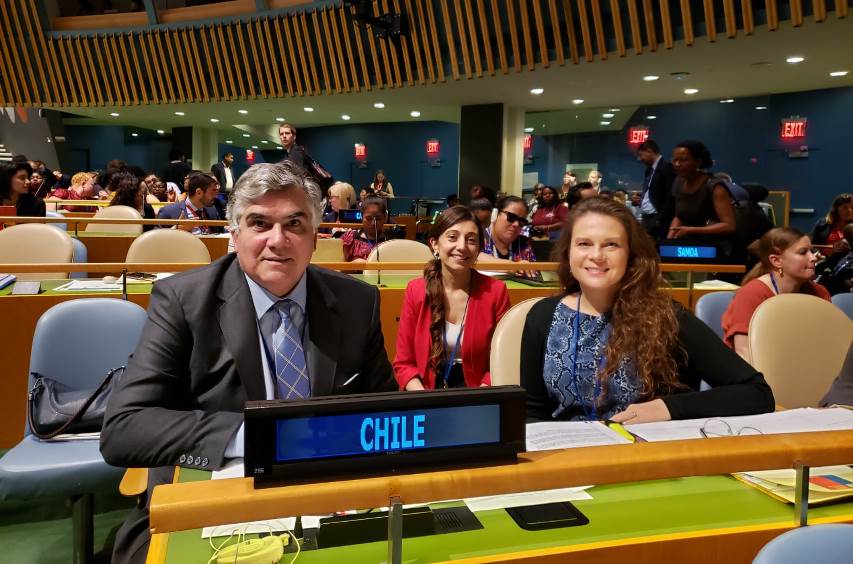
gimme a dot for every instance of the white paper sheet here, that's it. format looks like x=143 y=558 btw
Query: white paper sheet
x=791 y=421
x=88 y=286
x=570 y=434
x=489 y=502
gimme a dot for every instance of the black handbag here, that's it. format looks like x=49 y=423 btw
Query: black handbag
x=323 y=177
x=54 y=408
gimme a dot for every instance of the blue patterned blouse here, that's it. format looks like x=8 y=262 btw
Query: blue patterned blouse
x=576 y=398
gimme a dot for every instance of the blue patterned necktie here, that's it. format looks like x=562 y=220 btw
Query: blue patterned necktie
x=291 y=374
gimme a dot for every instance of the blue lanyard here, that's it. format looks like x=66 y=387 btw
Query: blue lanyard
x=448 y=361
x=773 y=281
x=591 y=415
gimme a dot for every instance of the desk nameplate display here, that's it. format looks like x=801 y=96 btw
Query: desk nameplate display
x=670 y=251
x=382 y=433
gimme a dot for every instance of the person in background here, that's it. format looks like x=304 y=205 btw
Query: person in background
x=828 y=231
x=128 y=190
x=787 y=266
x=452 y=200
x=620 y=196
x=157 y=191
x=595 y=178
x=363 y=195
x=202 y=189
x=570 y=180
x=82 y=188
x=482 y=210
x=42 y=180
x=615 y=345
x=449 y=314
x=479 y=191
x=656 y=203
x=841 y=390
x=703 y=204
x=381 y=185
x=837 y=271
x=581 y=191
x=341 y=197
x=533 y=202
x=504 y=239
x=224 y=172
x=177 y=169
x=358 y=243
x=14 y=190
x=551 y=214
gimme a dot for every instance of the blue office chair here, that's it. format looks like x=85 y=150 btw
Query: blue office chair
x=845 y=302
x=815 y=544
x=81 y=254
x=75 y=342
x=710 y=309
x=60 y=226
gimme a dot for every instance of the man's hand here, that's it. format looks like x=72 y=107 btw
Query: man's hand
x=182 y=227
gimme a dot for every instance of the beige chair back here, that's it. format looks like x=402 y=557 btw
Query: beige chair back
x=328 y=250
x=505 y=355
x=167 y=245
x=799 y=343
x=35 y=243
x=399 y=250
x=117 y=212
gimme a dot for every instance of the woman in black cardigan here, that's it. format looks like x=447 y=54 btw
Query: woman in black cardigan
x=615 y=346
x=14 y=190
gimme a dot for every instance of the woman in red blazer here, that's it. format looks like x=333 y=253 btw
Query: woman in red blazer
x=449 y=315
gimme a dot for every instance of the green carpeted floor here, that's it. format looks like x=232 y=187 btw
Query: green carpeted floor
x=39 y=532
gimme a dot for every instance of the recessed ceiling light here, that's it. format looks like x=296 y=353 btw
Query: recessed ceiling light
x=537 y=91
x=679 y=75
x=795 y=59
x=264 y=141
x=244 y=112
x=651 y=117
x=214 y=120
x=651 y=77
x=279 y=119
x=308 y=109
x=691 y=91
x=229 y=140
x=760 y=107
x=254 y=146
x=114 y=114
x=279 y=148
x=246 y=135
x=378 y=105
x=615 y=110
x=134 y=135
x=577 y=101
x=528 y=130
x=838 y=73
x=415 y=113
x=604 y=122
x=160 y=131
x=727 y=101
x=179 y=113
x=346 y=117
x=608 y=115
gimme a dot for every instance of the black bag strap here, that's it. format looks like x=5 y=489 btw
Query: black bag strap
x=39 y=383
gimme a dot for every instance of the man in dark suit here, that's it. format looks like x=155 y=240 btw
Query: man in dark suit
x=224 y=173
x=199 y=204
x=177 y=169
x=292 y=152
x=217 y=337
x=656 y=202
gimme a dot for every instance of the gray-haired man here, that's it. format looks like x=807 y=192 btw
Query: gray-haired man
x=216 y=336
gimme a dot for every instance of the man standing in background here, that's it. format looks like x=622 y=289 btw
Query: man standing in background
x=292 y=152
x=224 y=173
x=177 y=169
x=657 y=204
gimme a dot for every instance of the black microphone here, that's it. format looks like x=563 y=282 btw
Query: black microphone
x=376 y=242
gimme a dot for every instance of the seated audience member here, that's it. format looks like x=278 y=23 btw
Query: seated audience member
x=341 y=197
x=837 y=271
x=703 y=204
x=828 y=231
x=841 y=390
x=449 y=314
x=216 y=337
x=452 y=200
x=787 y=267
x=503 y=240
x=596 y=178
x=358 y=243
x=615 y=345
x=381 y=185
x=82 y=188
x=550 y=215
x=201 y=191
x=480 y=191
x=482 y=210
x=581 y=191
x=14 y=190
x=157 y=192
x=363 y=195
x=570 y=180
x=129 y=191
x=533 y=202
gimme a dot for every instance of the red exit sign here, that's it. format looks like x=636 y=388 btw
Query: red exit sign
x=793 y=128
x=433 y=147
x=528 y=143
x=360 y=151
x=637 y=135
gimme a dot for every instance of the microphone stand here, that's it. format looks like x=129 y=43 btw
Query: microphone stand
x=376 y=239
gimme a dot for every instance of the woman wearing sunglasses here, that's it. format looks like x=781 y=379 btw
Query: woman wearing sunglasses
x=504 y=240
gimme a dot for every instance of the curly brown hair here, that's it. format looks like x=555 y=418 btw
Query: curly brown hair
x=643 y=320
x=432 y=274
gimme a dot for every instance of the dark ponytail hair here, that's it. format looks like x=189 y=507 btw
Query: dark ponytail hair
x=432 y=275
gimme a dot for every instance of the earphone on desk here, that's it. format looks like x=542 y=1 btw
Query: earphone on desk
x=265 y=550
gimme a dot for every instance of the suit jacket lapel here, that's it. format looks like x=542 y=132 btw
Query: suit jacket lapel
x=323 y=335
x=239 y=327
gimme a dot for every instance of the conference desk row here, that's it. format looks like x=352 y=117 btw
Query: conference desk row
x=20 y=314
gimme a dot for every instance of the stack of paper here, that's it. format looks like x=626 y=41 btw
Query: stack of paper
x=570 y=434
x=827 y=483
